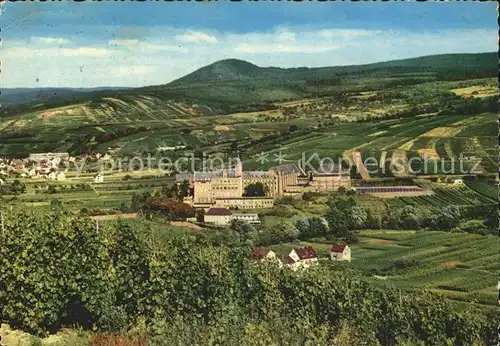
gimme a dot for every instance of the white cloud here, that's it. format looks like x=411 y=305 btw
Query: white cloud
x=282 y=41
x=26 y=52
x=134 y=44
x=286 y=36
x=158 y=58
x=284 y=48
x=125 y=43
x=51 y=40
x=196 y=36
x=345 y=34
x=132 y=69
x=84 y=51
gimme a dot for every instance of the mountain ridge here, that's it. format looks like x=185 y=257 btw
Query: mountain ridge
x=236 y=69
x=233 y=85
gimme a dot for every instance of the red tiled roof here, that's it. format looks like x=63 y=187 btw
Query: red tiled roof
x=339 y=247
x=218 y=211
x=305 y=252
x=259 y=253
x=288 y=260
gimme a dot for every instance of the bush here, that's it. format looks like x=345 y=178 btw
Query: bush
x=475 y=227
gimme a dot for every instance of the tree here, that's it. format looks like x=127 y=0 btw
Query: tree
x=312 y=227
x=171 y=208
x=408 y=218
x=140 y=201
x=357 y=217
x=447 y=218
x=200 y=215
x=244 y=230
x=183 y=190
x=345 y=217
x=284 y=233
x=256 y=190
x=373 y=220
x=308 y=196
x=124 y=207
x=234 y=147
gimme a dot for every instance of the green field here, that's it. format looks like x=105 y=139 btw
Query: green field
x=460 y=266
x=82 y=192
x=371 y=139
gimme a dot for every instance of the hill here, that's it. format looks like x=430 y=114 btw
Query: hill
x=232 y=85
x=223 y=70
x=455 y=65
x=240 y=97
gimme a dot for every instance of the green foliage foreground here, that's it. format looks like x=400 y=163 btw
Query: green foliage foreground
x=58 y=269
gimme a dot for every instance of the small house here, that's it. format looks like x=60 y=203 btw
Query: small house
x=218 y=216
x=304 y=256
x=99 y=178
x=340 y=252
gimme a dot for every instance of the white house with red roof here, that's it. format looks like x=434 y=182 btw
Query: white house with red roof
x=340 y=252
x=302 y=257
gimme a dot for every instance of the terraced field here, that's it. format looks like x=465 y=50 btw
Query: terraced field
x=461 y=196
x=487 y=188
x=461 y=266
x=472 y=139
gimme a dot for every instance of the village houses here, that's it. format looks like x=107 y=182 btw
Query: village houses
x=58 y=176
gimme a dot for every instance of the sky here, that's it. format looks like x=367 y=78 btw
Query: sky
x=90 y=44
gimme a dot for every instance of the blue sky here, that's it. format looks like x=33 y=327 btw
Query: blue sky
x=132 y=43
